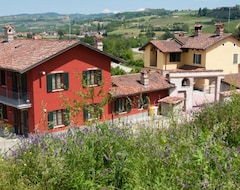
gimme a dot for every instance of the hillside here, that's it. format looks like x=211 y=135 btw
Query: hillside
x=126 y=23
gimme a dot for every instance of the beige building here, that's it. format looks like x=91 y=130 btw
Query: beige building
x=193 y=62
x=217 y=51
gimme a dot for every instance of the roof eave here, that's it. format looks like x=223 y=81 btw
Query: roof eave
x=113 y=58
x=136 y=93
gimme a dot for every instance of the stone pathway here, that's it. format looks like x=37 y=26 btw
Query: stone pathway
x=7 y=143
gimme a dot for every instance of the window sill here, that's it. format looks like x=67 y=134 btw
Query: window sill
x=58 y=126
x=121 y=113
x=92 y=119
x=57 y=90
x=92 y=85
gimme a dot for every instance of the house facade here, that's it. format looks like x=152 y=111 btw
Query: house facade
x=217 y=51
x=36 y=75
x=193 y=62
x=137 y=95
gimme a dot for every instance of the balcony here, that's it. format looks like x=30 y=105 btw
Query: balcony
x=14 y=99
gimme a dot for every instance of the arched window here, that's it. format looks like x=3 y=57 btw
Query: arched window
x=185 y=82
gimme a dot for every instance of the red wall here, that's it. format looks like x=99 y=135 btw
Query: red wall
x=75 y=60
x=153 y=96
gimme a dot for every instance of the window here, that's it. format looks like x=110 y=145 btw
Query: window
x=123 y=105
x=3 y=112
x=185 y=82
x=153 y=57
x=143 y=102
x=235 y=58
x=175 y=57
x=2 y=78
x=57 y=81
x=197 y=58
x=92 y=77
x=91 y=112
x=58 y=118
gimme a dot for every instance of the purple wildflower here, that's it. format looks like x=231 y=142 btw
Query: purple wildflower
x=206 y=152
x=205 y=185
x=184 y=186
x=106 y=157
x=55 y=153
x=238 y=149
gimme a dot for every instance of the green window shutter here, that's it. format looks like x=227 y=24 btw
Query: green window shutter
x=117 y=106
x=99 y=77
x=84 y=78
x=146 y=102
x=24 y=82
x=49 y=83
x=85 y=113
x=14 y=86
x=50 y=120
x=0 y=76
x=235 y=58
x=65 y=81
x=100 y=111
x=66 y=117
x=129 y=104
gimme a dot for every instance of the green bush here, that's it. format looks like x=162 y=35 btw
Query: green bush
x=201 y=154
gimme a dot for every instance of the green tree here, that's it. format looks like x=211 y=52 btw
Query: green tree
x=29 y=36
x=117 y=71
x=237 y=31
x=167 y=35
x=88 y=40
x=60 y=33
x=185 y=27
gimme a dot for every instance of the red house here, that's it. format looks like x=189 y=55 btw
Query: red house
x=133 y=95
x=34 y=73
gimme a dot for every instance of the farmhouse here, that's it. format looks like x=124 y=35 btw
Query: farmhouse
x=194 y=62
x=35 y=73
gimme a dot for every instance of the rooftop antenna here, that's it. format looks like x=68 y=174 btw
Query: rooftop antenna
x=69 y=27
x=229 y=14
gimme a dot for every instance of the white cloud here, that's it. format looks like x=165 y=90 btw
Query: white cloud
x=110 y=11
x=141 y=9
x=107 y=11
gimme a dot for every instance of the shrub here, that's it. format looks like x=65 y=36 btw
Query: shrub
x=201 y=154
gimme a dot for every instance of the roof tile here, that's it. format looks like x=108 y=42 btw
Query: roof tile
x=19 y=55
x=124 y=85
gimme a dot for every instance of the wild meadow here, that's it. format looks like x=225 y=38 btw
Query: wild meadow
x=203 y=153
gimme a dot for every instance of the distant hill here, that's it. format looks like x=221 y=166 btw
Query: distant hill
x=131 y=21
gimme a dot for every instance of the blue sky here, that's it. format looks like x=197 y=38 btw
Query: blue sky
x=99 y=6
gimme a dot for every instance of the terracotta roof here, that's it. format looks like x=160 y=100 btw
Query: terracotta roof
x=192 y=68
x=124 y=85
x=232 y=79
x=202 y=41
x=164 y=45
x=23 y=55
x=171 y=100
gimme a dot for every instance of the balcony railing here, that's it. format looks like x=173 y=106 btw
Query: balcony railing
x=14 y=99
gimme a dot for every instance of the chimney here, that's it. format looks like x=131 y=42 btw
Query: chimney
x=144 y=78
x=9 y=32
x=219 y=28
x=197 y=29
x=98 y=42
